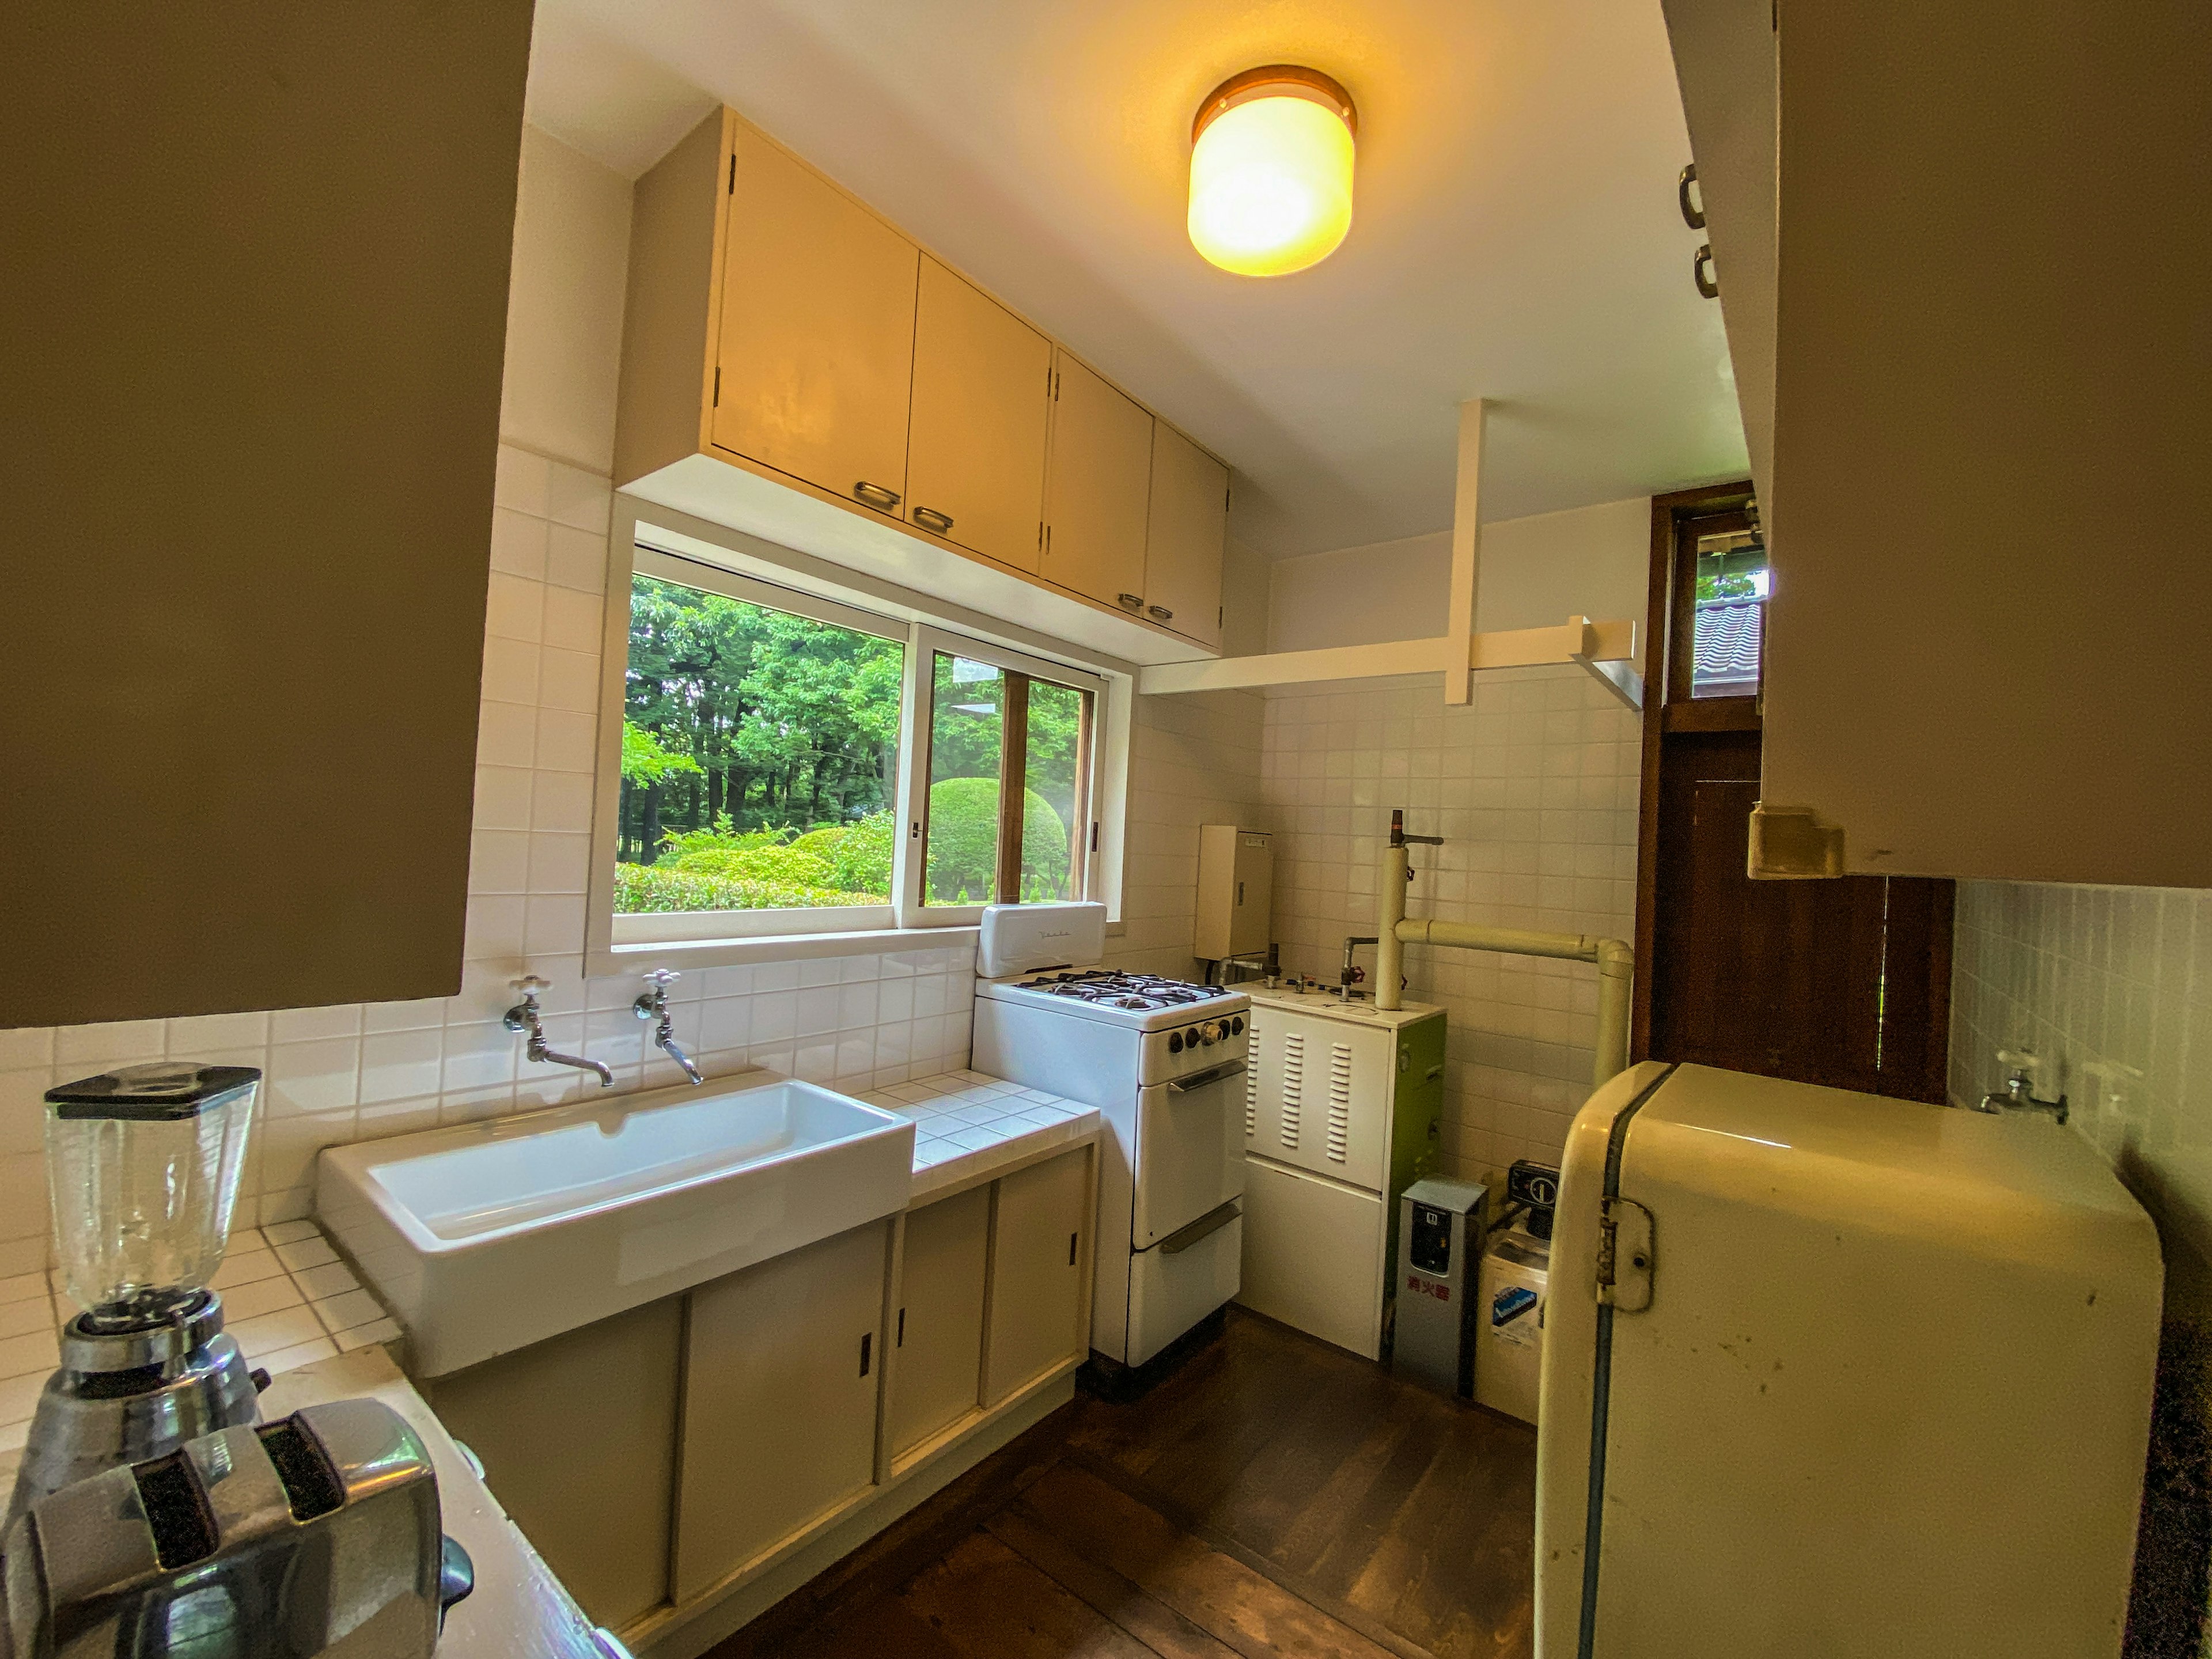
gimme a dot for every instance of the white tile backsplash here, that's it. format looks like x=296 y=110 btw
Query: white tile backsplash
x=2111 y=989
x=1535 y=789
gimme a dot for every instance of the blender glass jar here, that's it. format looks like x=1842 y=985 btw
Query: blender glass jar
x=143 y=1167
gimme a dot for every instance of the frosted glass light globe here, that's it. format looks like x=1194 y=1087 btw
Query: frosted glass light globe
x=1271 y=184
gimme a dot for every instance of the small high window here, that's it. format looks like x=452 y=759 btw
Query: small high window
x=1729 y=616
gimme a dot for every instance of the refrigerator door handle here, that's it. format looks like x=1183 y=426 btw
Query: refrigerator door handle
x=1624 y=1255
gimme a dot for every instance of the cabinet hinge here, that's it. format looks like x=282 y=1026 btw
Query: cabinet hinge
x=1624 y=1255
x=733 y=172
x=717 y=404
x=1055 y=386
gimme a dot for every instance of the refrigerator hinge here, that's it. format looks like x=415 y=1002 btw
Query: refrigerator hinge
x=1624 y=1255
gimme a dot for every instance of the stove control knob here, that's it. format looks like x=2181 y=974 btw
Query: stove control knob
x=1174 y=1043
x=1236 y=1025
x=1211 y=1032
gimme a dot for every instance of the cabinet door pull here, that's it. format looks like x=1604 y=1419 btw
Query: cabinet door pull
x=1161 y=611
x=876 y=494
x=1071 y=1249
x=900 y=1342
x=1131 y=601
x=1692 y=216
x=1702 y=272
x=930 y=518
x=867 y=1344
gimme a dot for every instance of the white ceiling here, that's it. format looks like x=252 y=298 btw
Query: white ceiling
x=1515 y=235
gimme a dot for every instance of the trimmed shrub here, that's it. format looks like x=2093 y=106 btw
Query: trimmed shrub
x=640 y=889
x=963 y=840
x=790 y=866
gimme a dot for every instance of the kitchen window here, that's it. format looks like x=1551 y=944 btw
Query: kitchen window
x=794 y=765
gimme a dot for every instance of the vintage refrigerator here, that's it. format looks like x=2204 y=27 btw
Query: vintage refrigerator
x=1829 y=1374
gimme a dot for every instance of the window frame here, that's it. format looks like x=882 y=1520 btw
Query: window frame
x=680 y=926
x=673 y=545
x=920 y=711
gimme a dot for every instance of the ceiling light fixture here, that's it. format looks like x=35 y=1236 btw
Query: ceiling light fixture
x=1271 y=171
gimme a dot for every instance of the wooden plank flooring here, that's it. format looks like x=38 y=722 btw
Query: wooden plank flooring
x=1274 y=1497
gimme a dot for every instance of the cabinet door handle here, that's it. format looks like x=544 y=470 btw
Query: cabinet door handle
x=1702 y=273
x=1071 y=1249
x=900 y=1341
x=1692 y=216
x=876 y=494
x=930 y=518
x=1161 y=611
x=867 y=1344
x=1131 y=601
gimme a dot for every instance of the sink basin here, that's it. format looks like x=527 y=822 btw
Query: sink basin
x=486 y=1237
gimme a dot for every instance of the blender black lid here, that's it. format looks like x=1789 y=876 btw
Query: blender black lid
x=160 y=1091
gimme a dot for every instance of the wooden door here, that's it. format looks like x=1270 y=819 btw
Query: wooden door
x=605 y=1396
x=816 y=355
x=1843 y=982
x=1185 y=528
x=780 y=1373
x=1038 y=1265
x=1097 y=488
x=982 y=385
x=937 y=1323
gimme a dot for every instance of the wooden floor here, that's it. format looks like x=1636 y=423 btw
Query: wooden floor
x=1274 y=1496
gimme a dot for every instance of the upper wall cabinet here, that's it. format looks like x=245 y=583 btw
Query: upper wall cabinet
x=254 y=355
x=975 y=460
x=1988 y=494
x=1185 y=530
x=1095 y=490
x=795 y=367
x=816 y=353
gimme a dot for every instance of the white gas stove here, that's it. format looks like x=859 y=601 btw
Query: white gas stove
x=1163 y=1061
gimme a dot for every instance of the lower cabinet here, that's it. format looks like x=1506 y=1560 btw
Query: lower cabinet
x=577 y=1436
x=937 y=1325
x=1040 y=1262
x=782 y=1369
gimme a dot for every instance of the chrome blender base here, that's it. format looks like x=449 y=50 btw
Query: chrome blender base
x=123 y=1396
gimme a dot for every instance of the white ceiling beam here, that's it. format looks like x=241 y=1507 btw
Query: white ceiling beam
x=1602 y=649
x=1466 y=547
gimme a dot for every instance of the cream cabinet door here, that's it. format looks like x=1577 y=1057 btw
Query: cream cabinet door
x=1095 y=490
x=937 y=1322
x=982 y=382
x=1039 y=1262
x=815 y=359
x=589 y=1411
x=780 y=1374
x=1184 y=533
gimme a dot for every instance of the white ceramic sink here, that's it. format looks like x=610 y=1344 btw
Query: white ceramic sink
x=489 y=1237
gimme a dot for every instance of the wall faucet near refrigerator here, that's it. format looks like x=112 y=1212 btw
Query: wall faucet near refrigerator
x=1615 y=960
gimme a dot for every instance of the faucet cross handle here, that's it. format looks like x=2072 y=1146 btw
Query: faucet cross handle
x=530 y=984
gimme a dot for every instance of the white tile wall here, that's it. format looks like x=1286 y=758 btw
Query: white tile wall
x=2111 y=989
x=1194 y=760
x=335 y=1075
x=1534 y=787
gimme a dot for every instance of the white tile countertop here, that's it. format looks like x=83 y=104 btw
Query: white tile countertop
x=967 y=1124
x=286 y=1298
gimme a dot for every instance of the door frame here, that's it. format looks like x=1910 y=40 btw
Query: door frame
x=1668 y=513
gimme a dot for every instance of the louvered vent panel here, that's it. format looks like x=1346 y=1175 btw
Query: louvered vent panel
x=1340 y=1101
x=1252 y=1091
x=1294 y=1084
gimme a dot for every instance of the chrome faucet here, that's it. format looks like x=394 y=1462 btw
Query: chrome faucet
x=2018 y=1094
x=653 y=1004
x=1351 y=974
x=524 y=1017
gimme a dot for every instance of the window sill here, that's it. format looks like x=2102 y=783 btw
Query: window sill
x=624 y=959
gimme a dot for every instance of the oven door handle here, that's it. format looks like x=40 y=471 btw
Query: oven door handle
x=1208 y=1077
x=1205 y=1227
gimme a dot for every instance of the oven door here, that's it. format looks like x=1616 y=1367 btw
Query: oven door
x=1190 y=1150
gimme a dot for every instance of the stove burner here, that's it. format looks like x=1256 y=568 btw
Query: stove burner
x=1142 y=992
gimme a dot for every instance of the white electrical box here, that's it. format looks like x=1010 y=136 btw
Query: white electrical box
x=1235 y=878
